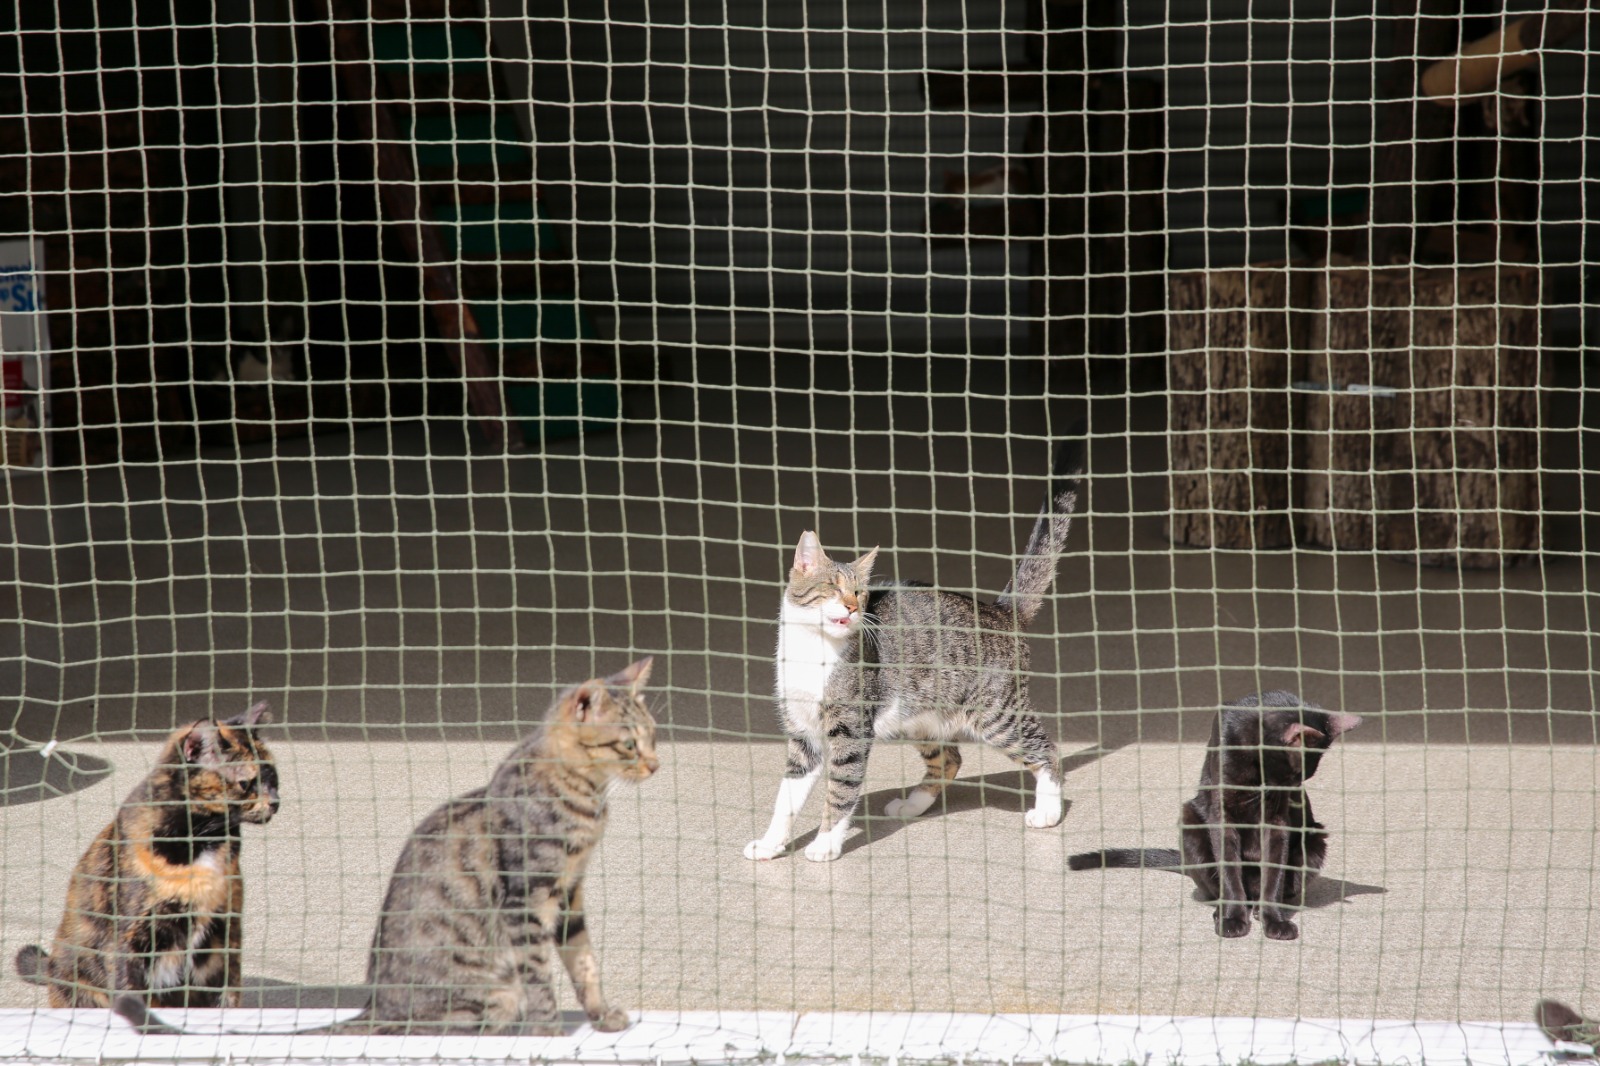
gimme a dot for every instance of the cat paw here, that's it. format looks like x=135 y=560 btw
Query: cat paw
x=612 y=1021
x=760 y=850
x=1280 y=930
x=1233 y=927
x=1037 y=819
x=824 y=849
x=910 y=807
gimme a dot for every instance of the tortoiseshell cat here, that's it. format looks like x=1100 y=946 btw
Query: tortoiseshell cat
x=490 y=885
x=155 y=905
x=905 y=660
x=1249 y=838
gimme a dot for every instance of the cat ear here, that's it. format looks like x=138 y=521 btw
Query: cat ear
x=1342 y=723
x=1296 y=734
x=579 y=704
x=200 y=744
x=632 y=677
x=259 y=714
x=863 y=565
x=808 y=553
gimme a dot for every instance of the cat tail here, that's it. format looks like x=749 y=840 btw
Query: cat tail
x=1127 y=858
x=1037 y=567
x=138 y=1014
x=1560 y=1022
x=33 y=964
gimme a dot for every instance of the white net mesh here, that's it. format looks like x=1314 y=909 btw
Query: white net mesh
x=403 y=361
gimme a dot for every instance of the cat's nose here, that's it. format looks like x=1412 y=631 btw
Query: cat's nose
x=651 y=764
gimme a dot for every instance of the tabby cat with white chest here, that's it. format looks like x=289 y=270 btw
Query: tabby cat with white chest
x=858 y=662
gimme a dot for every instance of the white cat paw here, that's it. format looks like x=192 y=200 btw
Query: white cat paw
x=911 y=806
x=760 y=850
x=824 y=849
x=1037 y=819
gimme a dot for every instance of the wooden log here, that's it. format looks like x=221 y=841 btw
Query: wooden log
x=1348 y=412
x=397 y=188
x=1228 y=411
x=1467 y=488
x=1480 y=66
x=1057 y=297
x=1412 y=153
x=1126 y=286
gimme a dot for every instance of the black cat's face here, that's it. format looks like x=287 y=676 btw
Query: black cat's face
x=1293 y=741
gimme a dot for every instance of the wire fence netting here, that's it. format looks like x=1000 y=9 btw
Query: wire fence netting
x=403 y=363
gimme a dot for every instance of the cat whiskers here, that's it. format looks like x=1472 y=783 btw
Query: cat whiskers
x=869 y=627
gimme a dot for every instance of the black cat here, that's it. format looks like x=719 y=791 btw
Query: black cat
x=1249 y=839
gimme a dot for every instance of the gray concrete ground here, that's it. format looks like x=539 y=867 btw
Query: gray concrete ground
x=408 y=603
x=1458 y=887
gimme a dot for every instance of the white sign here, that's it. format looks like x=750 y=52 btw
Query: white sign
x=24 y=356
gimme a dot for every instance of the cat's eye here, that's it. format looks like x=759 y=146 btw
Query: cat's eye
x=629 y=744
x=249 y=787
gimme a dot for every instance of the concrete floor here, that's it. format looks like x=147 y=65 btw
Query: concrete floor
x=407 y=605
x=1458 y=888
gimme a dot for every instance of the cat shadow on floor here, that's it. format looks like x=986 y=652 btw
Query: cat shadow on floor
x=1326 y=891
x=1005 y=790
x=33 y=773
x=265 y=993
x=1322 y=892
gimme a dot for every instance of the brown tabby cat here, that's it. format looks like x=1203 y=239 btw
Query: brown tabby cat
x=490 y=885
x=154 y=906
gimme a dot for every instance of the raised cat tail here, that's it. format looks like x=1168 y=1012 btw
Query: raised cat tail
x=1127 y=858
x=1037 y=567
x=32 y=965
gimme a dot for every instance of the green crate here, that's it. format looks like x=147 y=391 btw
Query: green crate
x=521 y=321
x=428 y=46
x=551 y=410
x=496 y=229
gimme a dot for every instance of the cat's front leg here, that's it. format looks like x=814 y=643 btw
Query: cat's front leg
x=1277 y=922
x=800 y=775
x=572 y=937
x=1233 y=910
x=130 y=966
x=232 y=975
x=1199 y=860
x=849 y=741
x=530 y=913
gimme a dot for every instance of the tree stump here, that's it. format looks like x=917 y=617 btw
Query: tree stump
x=1348 y=416
x=1228 y=410
x=1467 y=492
